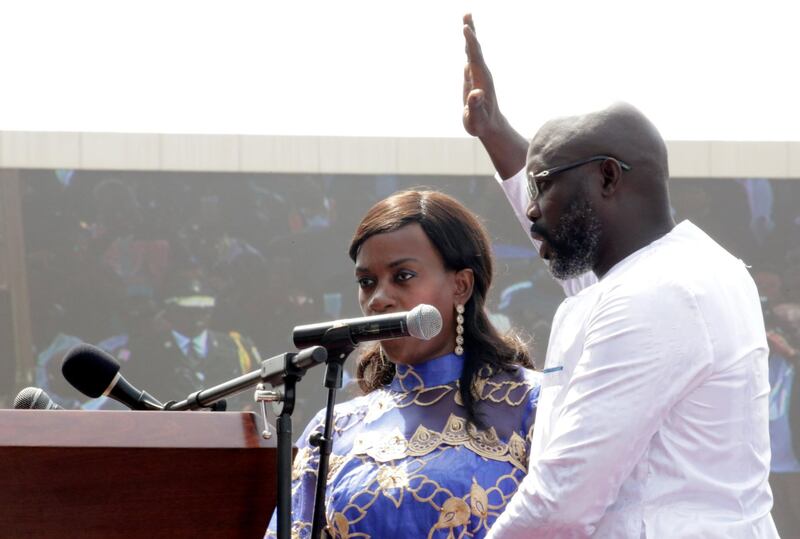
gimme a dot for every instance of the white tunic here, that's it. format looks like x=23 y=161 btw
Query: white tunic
x=653 y=415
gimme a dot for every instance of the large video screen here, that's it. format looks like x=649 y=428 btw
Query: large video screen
x=141 y=263
x=190 y=279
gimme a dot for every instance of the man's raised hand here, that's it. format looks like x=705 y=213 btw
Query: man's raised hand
x=482 y=117
x=481 y=113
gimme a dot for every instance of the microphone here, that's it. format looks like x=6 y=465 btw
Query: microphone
x=34 y=398
x=95 y=373
x=422 y=322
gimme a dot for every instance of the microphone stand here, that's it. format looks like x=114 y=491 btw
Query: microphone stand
x=272 y=371
x=285 y=369
x=338 y=343
x=283 y=405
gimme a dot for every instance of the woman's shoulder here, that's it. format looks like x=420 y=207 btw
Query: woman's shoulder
x=515 y=389
x=508 y=398
x=491 y=379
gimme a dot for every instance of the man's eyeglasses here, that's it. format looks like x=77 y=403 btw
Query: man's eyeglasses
x=533 y=187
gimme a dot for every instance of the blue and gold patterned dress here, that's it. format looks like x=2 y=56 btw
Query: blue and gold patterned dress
x=405 y=463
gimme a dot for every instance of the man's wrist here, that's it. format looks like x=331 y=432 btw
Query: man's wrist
x=506 y=148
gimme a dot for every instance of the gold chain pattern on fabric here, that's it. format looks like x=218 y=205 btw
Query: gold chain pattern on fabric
x=395 y=481
x=399 y=464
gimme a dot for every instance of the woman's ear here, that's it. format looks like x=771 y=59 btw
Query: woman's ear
x=464 y=281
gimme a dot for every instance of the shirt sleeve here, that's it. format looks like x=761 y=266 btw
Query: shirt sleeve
x=645 y=349
x=516 y=191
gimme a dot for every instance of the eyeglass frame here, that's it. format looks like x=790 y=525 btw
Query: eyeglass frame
x=533 y=189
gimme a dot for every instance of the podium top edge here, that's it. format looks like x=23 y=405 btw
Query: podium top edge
x=130 y=429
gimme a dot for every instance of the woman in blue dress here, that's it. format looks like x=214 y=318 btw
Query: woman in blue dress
x=439 y=442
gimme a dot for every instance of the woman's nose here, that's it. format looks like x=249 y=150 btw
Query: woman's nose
x=381 y=301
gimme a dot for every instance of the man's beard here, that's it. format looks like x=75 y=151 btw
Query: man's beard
x=575 y=240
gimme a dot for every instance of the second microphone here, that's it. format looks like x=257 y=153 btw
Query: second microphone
x=422 y=322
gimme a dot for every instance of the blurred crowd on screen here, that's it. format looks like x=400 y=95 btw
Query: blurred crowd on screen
x=190 y=279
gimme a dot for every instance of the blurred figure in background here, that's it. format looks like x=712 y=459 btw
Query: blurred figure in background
x=120 y=238
x=183 y=353
x=784 y=342
x=784 y=415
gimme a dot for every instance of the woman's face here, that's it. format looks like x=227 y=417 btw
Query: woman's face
x=396 y=271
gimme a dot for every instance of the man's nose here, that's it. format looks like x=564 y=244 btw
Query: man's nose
x=533 y=211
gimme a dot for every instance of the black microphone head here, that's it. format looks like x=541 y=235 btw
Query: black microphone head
x=424 y=322
x=89 y=369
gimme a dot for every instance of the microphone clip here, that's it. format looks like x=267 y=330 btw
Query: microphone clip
x=194 y=404
x=338 y=342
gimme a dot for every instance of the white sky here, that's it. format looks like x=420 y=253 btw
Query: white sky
x=724 y=70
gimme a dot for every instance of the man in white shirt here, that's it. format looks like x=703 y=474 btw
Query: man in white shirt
x=653 y=415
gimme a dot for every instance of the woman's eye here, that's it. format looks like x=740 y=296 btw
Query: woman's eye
x=405 y=275
x=365 y=282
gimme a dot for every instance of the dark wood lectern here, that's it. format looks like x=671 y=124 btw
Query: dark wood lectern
x=98 y=474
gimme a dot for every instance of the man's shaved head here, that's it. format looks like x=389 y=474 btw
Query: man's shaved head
x=620 y=130
x=585 y=213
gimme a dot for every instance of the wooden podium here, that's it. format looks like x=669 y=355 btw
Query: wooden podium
x=124 y=474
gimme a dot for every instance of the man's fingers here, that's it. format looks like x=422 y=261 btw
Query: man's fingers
x=469 y=22
x=467 y=18
x=477 y=80
x=467 y=83
x=476 y=117
x=475 y=99
x=473 y=48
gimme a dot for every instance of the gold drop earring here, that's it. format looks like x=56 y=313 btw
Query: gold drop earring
x=459 y=350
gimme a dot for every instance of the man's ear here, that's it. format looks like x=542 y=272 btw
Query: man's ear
x=612 y=176
x=464 y=282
